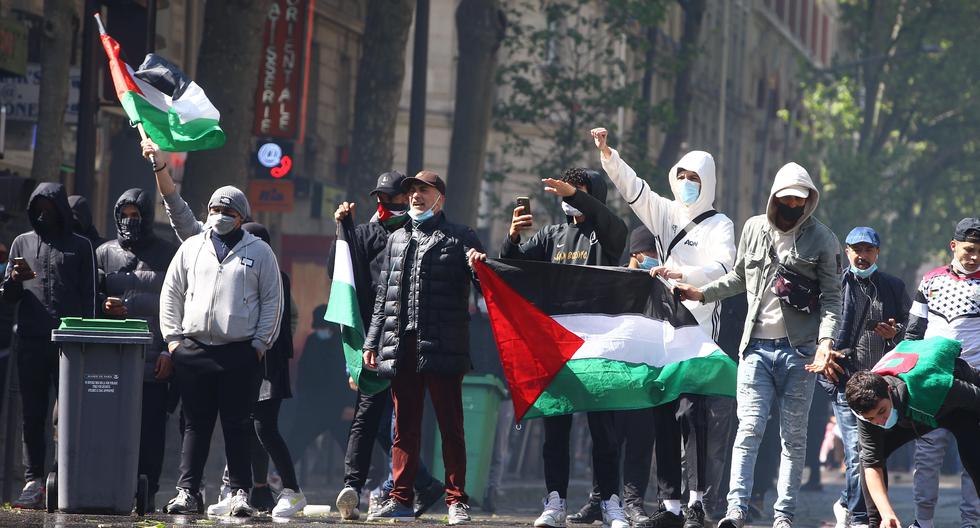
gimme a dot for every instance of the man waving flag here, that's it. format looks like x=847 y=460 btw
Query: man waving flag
x=344 y=310
x=580 y=338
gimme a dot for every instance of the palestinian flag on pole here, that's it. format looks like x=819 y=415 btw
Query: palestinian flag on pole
x=173 y=109
x=581 y=338
x=343 y=309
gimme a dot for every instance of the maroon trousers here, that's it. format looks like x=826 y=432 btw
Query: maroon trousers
x=408 y=393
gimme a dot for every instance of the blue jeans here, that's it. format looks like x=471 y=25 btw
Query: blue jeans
x=771 y=371
x=851 y=496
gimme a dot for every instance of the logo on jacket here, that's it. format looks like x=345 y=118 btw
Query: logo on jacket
x=247 y=262
x=690 y=243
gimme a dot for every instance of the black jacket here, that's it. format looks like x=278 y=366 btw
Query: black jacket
x=895 y=304
x=275 y=364
x=430 y=292
x=598 y=241
x=367 y=252
x=82 y=223
x=65 y=267
x=134 y=271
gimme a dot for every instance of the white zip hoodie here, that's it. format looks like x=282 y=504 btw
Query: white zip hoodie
x=216 y=303
x=708 y=250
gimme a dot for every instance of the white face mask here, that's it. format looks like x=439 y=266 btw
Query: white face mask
x=569 y=210
x=324 y=333
x=221 y=223
x=958 y=267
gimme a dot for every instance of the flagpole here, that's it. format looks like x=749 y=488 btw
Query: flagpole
x=139 y=126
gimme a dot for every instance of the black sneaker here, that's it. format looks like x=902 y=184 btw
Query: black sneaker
x=694 y=516
x=636 y=514
x=590 y=513
x=428 y=497
x=666 y=519
x=261 y=499
x=490 y=501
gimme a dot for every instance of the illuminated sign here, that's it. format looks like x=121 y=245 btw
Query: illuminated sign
x=274 y=159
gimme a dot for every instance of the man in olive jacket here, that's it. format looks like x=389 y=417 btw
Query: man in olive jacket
x=419 y=338
x=781 y=332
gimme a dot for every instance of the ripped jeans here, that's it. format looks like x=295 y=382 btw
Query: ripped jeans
x=771 y=371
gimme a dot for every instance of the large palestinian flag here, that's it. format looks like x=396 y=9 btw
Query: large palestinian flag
x=581 y=338
x=343 y=309
x=174 y=111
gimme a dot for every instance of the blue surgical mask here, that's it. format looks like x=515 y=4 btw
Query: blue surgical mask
x=324 y=333
x=889 y=423
x=3 y=269
x=648 y=263
x=424 y=215
x=689 y=191
x=865 y=273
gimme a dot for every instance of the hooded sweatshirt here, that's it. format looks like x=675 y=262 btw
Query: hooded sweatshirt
x=708 y=250
x=133 y=270
x=215 y=303
x=65 y=266
x=599 y=240
x=82 y=214
x=810 y=248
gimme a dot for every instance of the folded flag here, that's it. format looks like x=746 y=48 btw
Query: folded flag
x=582 y=338
x=174 y=111
x=344 y=310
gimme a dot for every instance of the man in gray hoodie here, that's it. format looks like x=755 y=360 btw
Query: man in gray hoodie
x=220 y=310
x=789 y=265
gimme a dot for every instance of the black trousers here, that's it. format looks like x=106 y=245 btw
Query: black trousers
x=637 y=433
x=605 y=452
x=720 y=412
x=207 y=393
x=371 y=414
x=682 y=421
x=37 y=371
x=153 y=432
x=271 y=445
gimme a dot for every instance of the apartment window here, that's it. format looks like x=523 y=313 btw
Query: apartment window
x=781 y=9
x=814 y=21
x=804 y=17
x=792 y=15
x=824 y=39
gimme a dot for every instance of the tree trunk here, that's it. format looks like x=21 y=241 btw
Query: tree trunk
x=480 y=27
x=676 y=132
x=228 y=64
x=380 y=73
x=56 y=40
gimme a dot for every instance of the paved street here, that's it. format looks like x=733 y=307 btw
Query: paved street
x=519 y=501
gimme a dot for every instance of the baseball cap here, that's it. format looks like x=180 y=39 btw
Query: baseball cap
x=641 y=239
x=427 y=177
x=794 y=190
x=863 y=235
x=389 y=183
x=968 y=230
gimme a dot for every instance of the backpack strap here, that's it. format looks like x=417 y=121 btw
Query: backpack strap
x=682 y=234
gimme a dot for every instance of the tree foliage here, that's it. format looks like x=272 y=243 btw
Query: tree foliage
x=893 y=130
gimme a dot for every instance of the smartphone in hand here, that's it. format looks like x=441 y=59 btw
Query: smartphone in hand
x=525 y=202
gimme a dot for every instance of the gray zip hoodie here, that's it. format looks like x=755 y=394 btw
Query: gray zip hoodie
x=216 y=303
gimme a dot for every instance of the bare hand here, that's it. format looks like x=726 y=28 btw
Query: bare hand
x=473 y=256
x=887 y=330
x=370 y=359
x=172 y=346
x=347 y=414
x=150 y=148
x=688 y=292
x=824 y=362
x=344 y=209
x=259 y=354
x=164 y=367
x=115 y=307
x=519 y=223
x=600 y=136
x=890 y=520
x=560 y=188
x=351 y=383
x=666 y=273
x=22 y=274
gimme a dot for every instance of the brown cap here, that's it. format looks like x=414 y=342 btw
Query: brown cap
x=427 y=177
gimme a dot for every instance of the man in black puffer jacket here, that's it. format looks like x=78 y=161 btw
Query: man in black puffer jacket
x=131 y=272
x=419 y=338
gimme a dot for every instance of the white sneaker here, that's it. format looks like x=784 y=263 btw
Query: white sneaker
x=554 y=512
x=222 y=507
x=347 y=504
x=841 y=514
x=290 y=503
x=458 y=514
x=612 y=513
x=224 y=492
x=240 y=506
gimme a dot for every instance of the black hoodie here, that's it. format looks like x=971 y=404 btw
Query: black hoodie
x=82 y=224
x=597 y=241
x=65 y=266
x=133 y=270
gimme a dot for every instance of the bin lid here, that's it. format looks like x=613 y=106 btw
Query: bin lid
x=104 y=325
x=118 y=331
x=488 y=380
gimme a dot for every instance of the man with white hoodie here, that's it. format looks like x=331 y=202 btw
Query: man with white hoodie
x=789 y=265
x=220 y=310
x=697 y=245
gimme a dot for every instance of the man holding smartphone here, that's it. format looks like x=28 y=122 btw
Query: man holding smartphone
x=875 y=310
x=52 y=276
x=592 y=235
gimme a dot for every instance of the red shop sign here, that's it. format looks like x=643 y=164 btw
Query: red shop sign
x=280 y=96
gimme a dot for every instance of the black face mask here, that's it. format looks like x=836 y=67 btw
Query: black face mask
x=129 y=229
x=46 y=222
x=790 y=214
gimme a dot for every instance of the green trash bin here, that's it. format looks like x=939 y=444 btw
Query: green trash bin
x=481 y=401
x=100 y=392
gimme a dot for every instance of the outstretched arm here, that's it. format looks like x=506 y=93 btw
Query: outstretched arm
x=180 y=214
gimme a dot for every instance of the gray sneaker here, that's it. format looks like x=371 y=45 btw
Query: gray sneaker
x=185 y=503
x=347 y=503
x=240 y=506
x=735 y=518
x=32 y=497
x=458 y=514
x=782 y=522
